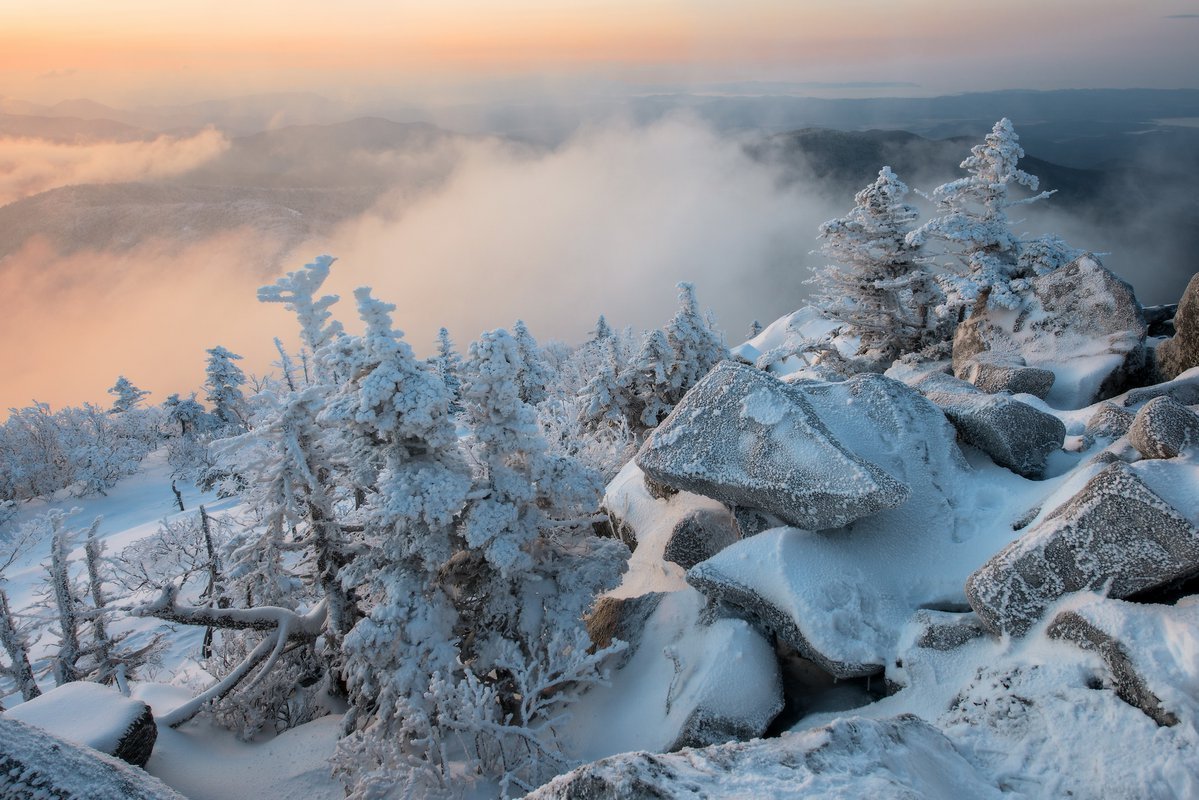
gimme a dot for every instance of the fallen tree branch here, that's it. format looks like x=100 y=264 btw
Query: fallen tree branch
x=284 y=625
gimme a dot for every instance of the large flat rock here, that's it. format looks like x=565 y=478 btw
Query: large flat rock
x=840 y=598
x=746 y=438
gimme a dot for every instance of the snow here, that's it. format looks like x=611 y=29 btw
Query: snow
x=81 y=712
x=206 y=762
x=681 y=666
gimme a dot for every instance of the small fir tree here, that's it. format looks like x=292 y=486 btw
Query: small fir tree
x=126 y=395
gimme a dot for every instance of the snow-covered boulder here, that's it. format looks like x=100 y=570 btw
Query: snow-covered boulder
x=1124 y=634
x=35 y=764
x=690 y=681
x=1116 y=532
x=901 y=757
x=993 y=373
x=1109 y=421
x=840 y=597
x=1181 y=352
x=1014 y=434
x=1163 y=428
x=93 y=715
x=699 y=535
x=745 y=438
x=1081 y=322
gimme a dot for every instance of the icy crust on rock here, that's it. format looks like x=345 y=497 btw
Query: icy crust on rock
x=745 y=438
x=689 y=682
x=841 y=597
x=82 y=712
x=1014 y=434
x=35 y=765
x=1081 y=322
x=1115 y=533
x=1184 y=389
x=903 y=757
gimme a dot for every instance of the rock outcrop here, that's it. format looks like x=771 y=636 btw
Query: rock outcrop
x=1115 y=533
x=1181 y=352
x=1080 y=322
x=745 y=438
x=1014 y=434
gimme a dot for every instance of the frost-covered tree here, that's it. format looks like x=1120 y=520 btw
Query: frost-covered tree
x=111 y=658
x=606 y=396
x=14 y=638
x=187 y=414
x=404 y=405
x=602 y=330
x=696 y=346
x=64 y=599
x=126 y=396
x=448 y=365
x=973 y=222
x=532 y=569
x=297 y=292
x=879 y=287
x=533 y=374
x=649 y=382
x=223 y=383
x=755 y=328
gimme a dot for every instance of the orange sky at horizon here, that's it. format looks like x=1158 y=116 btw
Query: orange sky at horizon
x=54 y=49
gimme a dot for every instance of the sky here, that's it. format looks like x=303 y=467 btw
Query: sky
x=149 y=51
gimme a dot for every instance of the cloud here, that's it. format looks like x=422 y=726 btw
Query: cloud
x=607 y=223
x=148 y=313
x=29 y=166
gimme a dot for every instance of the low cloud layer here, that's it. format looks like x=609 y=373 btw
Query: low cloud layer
x=472 y=235
x=30 y=166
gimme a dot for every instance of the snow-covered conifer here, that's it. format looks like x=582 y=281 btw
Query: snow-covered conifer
x=601 y=331
x=448 y=365
x=973 y=221
x=879 y=287
x=533 y=374
x=223 y=383
x=403 y=405
x=126 y=395
x=696 y=345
